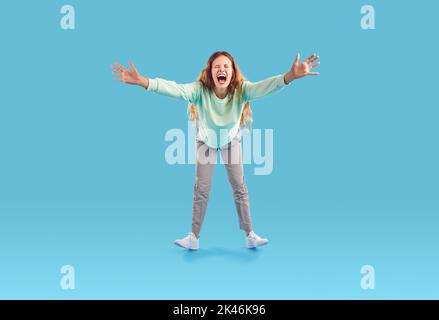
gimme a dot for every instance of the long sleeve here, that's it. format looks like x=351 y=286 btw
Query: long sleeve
x=254 y=90
x=188 y=91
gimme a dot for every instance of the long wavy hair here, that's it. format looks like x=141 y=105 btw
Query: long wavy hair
x=235 y=84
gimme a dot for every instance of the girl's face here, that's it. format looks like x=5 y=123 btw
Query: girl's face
x=222 y=71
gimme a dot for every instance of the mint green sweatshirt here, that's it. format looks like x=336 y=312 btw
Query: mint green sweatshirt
x=219 y=119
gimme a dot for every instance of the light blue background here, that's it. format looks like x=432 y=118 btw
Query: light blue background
x=84 y=182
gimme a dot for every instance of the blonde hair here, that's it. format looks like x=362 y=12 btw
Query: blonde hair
x=235 y=83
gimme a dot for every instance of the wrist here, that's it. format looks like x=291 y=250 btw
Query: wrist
x=144 y=82
x=288 y=77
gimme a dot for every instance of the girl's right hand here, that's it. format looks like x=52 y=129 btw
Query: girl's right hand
x=129 y=76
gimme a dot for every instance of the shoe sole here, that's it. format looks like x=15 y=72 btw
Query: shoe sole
x=252 y=247
x=179 y=245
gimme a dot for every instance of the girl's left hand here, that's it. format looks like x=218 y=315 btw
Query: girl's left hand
x=299 y=70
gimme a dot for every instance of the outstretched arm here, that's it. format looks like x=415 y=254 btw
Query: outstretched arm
x=255 y=90
x=264 y=87
x=188 y=91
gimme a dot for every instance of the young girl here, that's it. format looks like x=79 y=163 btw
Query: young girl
x=219 y=103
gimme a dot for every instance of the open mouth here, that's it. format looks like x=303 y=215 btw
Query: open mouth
x=221 y=79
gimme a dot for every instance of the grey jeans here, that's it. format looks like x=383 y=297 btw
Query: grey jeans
x=206 y=159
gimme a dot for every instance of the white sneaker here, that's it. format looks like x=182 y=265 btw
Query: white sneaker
x=253 y=240
x=189 y=242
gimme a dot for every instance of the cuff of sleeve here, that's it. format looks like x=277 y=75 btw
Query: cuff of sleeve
x=152 y=86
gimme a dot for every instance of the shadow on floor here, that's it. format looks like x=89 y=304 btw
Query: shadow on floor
x=238 y=255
